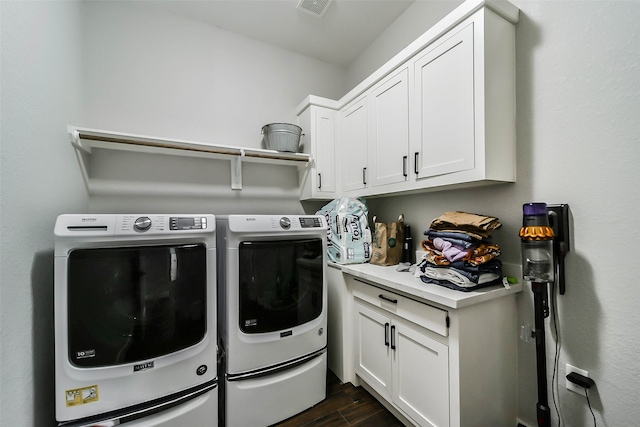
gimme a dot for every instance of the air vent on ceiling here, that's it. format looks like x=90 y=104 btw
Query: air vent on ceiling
x=314 y=7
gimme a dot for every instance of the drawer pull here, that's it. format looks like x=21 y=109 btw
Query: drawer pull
x=395 y=301
x=386 y=334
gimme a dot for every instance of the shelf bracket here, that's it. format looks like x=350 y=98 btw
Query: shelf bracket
x=74 y=136
x=236 y=171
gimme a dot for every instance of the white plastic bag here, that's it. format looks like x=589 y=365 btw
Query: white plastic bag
x=348 y=233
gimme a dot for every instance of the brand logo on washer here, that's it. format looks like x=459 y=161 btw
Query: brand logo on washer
x=85 y=353
x=143 y=366
x=89 y=219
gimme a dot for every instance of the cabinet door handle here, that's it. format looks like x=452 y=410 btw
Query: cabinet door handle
x=395 y=301
x=386 y=334
x=319 y=181
x=364 y=176
x=404 y=166
x=393 y=341
x=415 y=162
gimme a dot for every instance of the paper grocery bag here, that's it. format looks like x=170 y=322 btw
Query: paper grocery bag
x=387 y=242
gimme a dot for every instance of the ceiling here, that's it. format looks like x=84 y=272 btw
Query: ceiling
x=346 y=28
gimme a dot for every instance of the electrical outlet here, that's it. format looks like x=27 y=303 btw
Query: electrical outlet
x=526 y=332
x=571 y=386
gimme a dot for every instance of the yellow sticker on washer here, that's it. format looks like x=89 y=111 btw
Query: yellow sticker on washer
x=80 y=396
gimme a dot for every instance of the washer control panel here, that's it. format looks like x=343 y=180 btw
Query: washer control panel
x=187 y=223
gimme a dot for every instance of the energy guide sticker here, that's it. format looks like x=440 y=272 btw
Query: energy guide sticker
x=80 y=396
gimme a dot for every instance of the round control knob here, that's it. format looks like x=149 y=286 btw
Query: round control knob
x=285 y=222
x=142 y=224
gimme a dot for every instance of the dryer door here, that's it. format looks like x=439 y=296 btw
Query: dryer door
x=280 y=284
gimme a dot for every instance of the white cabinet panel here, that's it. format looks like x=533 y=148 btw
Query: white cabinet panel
x=354 y=145
x=390 y=129
x=373 y=349
x=421 y=376
x=445 y=103
x=318 y=181
x=325 y=150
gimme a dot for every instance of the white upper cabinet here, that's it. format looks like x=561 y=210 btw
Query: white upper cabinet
x=354 y=145
x=389 y=132
x=444 y=103
x=318 y=180
x=438 y=115
x=463 y=122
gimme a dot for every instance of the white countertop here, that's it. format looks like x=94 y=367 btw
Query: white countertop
x=406 y=283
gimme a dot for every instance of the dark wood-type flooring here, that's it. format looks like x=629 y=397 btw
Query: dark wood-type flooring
x=345 y=405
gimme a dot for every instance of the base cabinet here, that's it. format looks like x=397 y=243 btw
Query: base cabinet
x=438 y=366
x=404 y=365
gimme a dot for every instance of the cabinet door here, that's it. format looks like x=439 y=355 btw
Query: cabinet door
x=373 y=349
x=390 y=129
x=354 y=145
x=444 y=80
x=325 y=129
x=421 y=376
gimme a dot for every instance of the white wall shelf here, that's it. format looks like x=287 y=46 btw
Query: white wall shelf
x=85 y=140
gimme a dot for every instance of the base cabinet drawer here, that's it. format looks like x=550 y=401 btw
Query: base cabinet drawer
x=428 y=316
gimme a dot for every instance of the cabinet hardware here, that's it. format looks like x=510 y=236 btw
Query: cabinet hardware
x=404 y=166
x=395 y=301
x=319 y=181
x=415 y=162
x=386 y=334
x=393 y=341
x=364 y=176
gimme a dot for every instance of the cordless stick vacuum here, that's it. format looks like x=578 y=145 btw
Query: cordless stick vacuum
x=538 y=267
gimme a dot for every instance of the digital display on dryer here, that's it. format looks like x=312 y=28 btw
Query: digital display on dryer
x=310 y=222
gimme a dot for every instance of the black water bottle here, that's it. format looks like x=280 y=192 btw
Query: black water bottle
x=407 y=245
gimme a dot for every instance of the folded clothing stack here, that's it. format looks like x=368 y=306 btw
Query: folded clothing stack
x=459 y=253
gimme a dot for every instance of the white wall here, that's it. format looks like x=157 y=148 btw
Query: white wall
x=150 y=72
x=421 y=16
x=41 y=84
x=578 y=101
x=121 y=66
